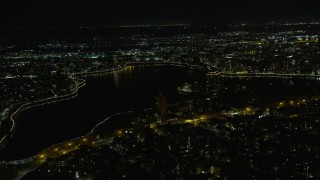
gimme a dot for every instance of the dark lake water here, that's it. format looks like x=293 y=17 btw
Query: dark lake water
x=129 y=89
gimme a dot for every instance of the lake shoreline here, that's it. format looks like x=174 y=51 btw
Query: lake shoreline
x=73 y=94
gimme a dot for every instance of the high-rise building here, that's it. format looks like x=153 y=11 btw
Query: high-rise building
x=160 y=106
x=212 y=83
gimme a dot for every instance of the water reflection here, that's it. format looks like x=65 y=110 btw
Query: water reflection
x=132 y=88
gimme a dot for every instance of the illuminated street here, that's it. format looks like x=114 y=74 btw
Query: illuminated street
x=159 y=90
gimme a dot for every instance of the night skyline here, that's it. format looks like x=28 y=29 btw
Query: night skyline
x=59 y=13
x=159 y=89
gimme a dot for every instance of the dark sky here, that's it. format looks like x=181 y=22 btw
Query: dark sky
x=55 y=13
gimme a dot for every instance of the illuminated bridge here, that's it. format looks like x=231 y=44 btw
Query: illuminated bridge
x=268 y=75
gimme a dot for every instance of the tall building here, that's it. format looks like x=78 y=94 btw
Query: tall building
x=212 y=83
x=160 y=106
